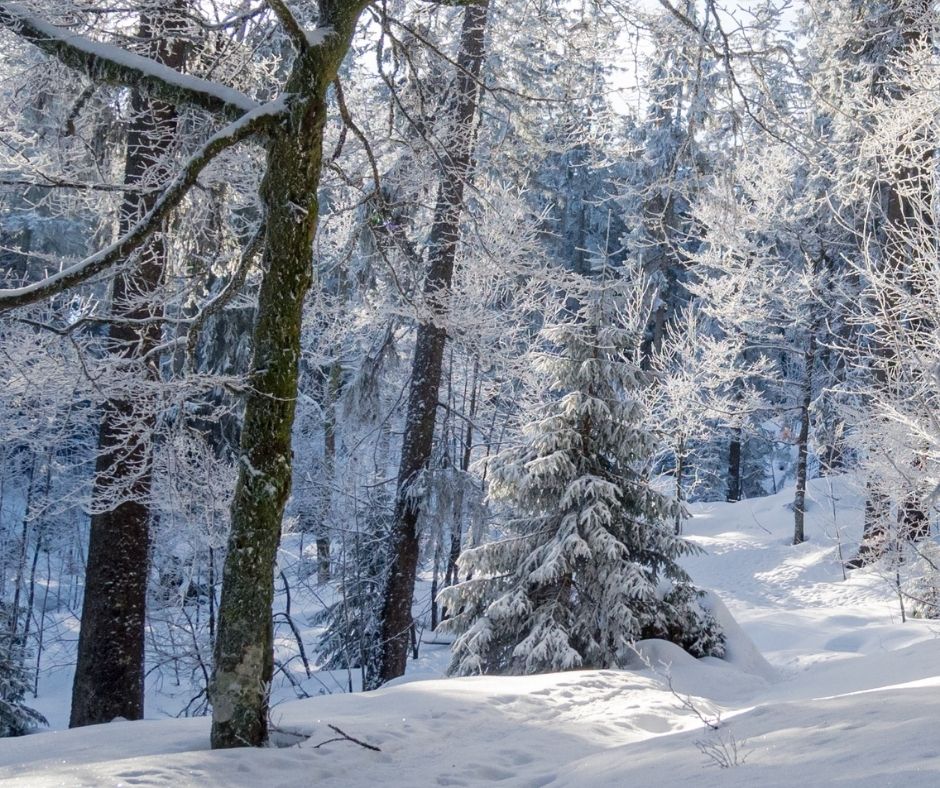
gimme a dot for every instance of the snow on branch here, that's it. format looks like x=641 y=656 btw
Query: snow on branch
x=113 y=65
x=458 y=3
x=249 y=124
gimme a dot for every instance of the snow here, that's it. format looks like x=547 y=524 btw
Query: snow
x=318 y=35
x=222 y=93
x=172 y=193
x=823 y=684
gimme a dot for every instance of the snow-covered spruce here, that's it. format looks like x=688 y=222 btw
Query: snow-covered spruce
x=589 y=561
x=16 y=718
x=351 y=629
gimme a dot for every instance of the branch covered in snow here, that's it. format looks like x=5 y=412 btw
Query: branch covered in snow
x=113 y=65
x=246 y=126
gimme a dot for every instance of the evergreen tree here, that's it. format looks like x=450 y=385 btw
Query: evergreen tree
x=15 y=717
x=351 y=628
x=589 y=562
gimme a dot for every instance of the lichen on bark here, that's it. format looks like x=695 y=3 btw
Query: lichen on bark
x=289 y=191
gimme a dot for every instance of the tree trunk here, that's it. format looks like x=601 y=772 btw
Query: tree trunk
x=244 y=658
x=19 y=582
x=680 y=494
x=734 y=466
x=802 y=461
x=429 y=355
x=456 y=537
x=109 y=675
x=322 y=527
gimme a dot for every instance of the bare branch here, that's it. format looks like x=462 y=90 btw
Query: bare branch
x=291 y=26
x=683 y=18
x=113 y=65
x=343 y=736
x=457 y=3
x=242 y=129
x=349 y=124
x=61 y=183
x=216 y=304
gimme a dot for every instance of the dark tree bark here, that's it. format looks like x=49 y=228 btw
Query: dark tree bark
x=456 y=540
x=294 y=126
x=802 y=460
x=244 y=657
x=331 y=387
x=734 y=466
x=429 y=354
x=109 y=675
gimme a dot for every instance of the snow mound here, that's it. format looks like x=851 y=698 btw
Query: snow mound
x=822 y=684
x=740 y=650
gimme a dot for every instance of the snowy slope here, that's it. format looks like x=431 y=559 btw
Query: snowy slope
x=837 y=691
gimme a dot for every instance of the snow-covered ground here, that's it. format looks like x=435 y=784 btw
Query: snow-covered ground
x=823 y=685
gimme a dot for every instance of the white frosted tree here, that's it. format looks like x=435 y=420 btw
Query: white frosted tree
x=702 y=386
x=588 y=564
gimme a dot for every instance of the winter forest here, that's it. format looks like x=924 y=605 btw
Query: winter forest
x=461 y=392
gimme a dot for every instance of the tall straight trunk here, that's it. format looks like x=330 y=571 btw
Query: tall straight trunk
x=679 y=488
x=802 y=459
x=427 y=365
x=109 y=675
x=332 y=386
x=734 y=466
x=244 y=658
x=330 y=377
x=40 y=534
x=456 y=537
x=19 y=582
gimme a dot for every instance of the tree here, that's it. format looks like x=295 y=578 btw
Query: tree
x=109 y=675
x=292 y=128
x=428 y=358
x=893 y=169
x=243 y=654
x=669 y=166
x=696 y=386
x=16 y=718
x=589 y=562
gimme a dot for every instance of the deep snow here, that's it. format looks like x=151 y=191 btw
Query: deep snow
x=823 y=685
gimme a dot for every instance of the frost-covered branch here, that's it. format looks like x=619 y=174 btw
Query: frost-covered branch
x=113 y=65
x=290 y=24
x=457 y=3
x=248 y=125
x=218 y=303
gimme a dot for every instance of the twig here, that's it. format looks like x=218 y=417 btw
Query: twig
x=343 y=736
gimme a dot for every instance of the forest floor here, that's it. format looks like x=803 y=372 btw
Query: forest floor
x=823 y=684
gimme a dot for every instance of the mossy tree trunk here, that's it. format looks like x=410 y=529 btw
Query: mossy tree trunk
x=244 y=645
